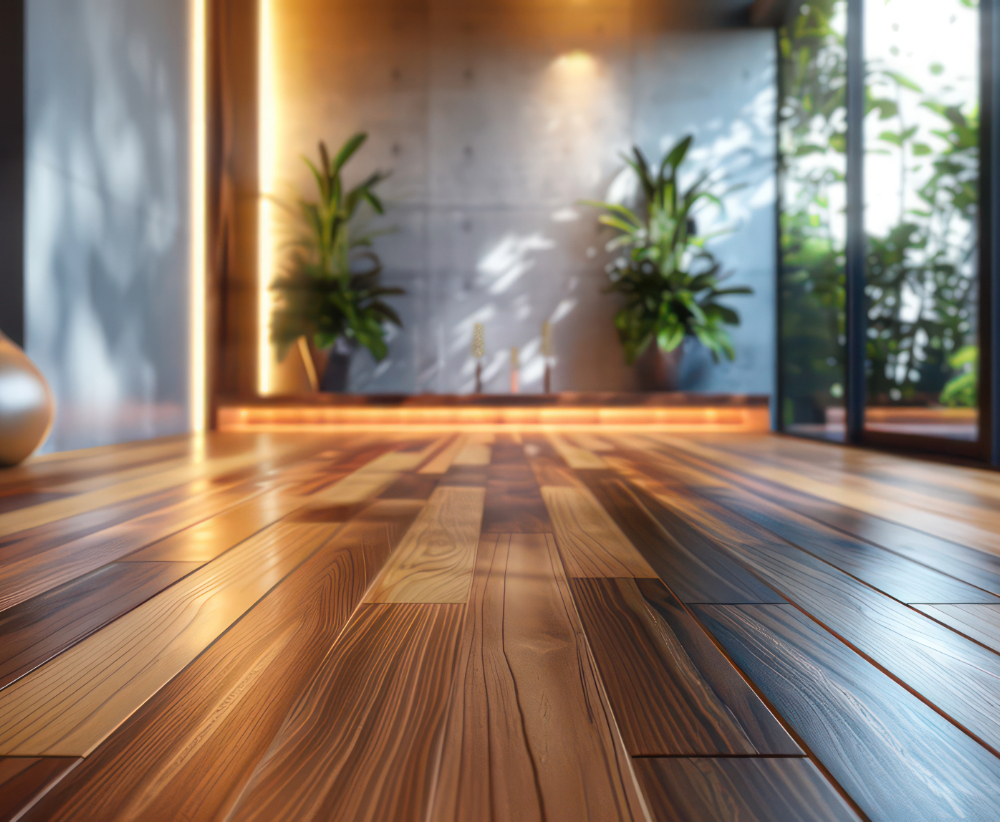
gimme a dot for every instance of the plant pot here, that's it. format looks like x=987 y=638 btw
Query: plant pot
x=338 y=367
x=26 y=405
x=659 y=370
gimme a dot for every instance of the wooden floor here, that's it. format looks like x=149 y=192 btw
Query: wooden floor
x=498 y=626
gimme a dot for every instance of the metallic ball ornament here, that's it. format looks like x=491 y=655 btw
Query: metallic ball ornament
x=26 y=405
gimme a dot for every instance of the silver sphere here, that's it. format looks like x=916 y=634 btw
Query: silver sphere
x=26 y=405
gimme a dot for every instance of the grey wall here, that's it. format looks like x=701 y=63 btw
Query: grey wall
x=107 y=215
x=498 y=117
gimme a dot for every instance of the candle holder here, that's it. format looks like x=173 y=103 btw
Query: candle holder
x=478 y=351
x=515 y=368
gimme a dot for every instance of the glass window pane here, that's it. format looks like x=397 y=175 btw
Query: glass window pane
x=921 y=195
x=813 y=221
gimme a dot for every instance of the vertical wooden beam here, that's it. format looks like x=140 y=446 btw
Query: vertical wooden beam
x=12 y=53
x=233 y=193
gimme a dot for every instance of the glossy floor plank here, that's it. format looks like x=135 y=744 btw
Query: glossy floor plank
x=70 y=705
x=897 y=758
x=890 y=573
x=590 y=542
x=23 y=780
x=958 y=676
x=978 y=622
x=497 y=625
x=740 y=790
x=41 y=628
x=694 y=569
x=528 y=735
x=437 y=556
x=359 y=742
x=189 y=752
x=672 y=692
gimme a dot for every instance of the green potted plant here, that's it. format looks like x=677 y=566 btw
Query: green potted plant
x=331 y=298
x=671 y=283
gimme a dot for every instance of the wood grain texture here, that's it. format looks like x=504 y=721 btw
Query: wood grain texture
x=24 y=779
x=740 y=790
x=514 y=503
x=978 y=622
x=958 y=676
x=29 y=569
x=46 y=512
x=670 y=701
x=214 y=536
x=442 y=461
x=189 y=752
x=967 y=524
x=890 y=573
x=71 y=704
x=590 y=542
x=435 y=561
x=528 y=736
x=896 y=757
x=693 y=568
x=39 y=629
x=974 y=567
x=473 y=453
x=575 y=456
x=358 y=742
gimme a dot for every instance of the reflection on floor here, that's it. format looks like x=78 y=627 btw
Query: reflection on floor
x=506 y=625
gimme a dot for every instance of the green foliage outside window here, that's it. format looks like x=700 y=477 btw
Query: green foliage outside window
x=921 y=284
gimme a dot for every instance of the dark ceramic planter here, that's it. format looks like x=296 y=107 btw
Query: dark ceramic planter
x=338 y=368
x=659 y=370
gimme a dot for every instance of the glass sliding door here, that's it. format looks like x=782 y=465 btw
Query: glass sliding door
x=812 y=134
x=921 y=169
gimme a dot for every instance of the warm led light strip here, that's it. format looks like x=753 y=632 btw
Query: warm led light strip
x=265 y=158
x=199 y=227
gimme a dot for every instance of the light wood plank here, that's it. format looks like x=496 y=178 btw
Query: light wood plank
x=473 y=453
x=436 y=559
x=359 y=743
x=589 y=541
x=575 y=456
x=529 y=733
x=71 y=704
x=191 y=749
x=442 y=461
x=46 y=512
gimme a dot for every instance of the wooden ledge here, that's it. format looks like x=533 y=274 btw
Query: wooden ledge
x=665 y=412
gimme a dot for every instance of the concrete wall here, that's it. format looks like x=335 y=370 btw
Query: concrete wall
x=107 y=215
x=497 y=117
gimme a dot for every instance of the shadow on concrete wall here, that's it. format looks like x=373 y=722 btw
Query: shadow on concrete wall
x=107 y=215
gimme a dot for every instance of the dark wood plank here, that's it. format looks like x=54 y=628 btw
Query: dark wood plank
x=464 y=476
x=974 y=567
x=528 y=735
x=34 y=631
x=411 y=486
x=979 y=622
x=689 y=563
x=514 y=503
x=896 y=757
x=28 y=571
x=890 y=573
x=359 y=742
x=189 y=751
x=960 y=677
x=24 y=779
x=664 y=703
x=744 y=789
